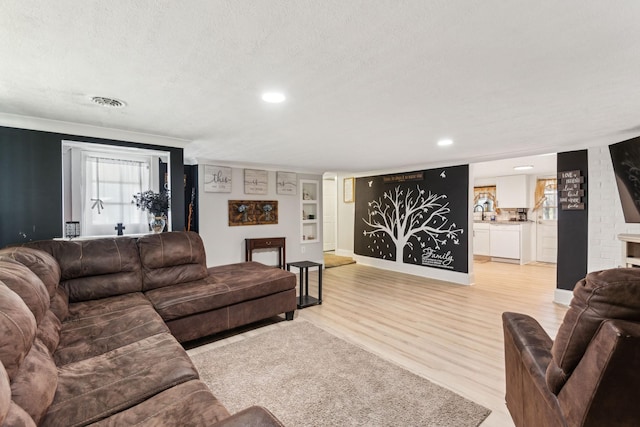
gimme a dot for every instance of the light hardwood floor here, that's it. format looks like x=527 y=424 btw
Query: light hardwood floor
x=450 y=334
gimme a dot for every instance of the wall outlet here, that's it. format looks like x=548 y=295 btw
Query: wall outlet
x=302 y=249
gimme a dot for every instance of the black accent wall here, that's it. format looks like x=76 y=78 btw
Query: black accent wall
x=573 y=226
x=31 y=183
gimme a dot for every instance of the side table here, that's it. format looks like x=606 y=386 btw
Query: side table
x=267 y=243
x=305 y=300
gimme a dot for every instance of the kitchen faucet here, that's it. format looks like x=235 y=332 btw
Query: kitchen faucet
x=481 y=210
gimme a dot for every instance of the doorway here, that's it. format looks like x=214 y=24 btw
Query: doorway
x=547 y=220
x=329 y=211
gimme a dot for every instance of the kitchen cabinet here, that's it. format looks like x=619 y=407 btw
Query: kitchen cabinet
x=513 y=191
x=481 y=239
x=510 y=242
x=505 y=241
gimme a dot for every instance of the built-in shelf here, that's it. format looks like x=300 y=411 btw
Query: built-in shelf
x=630 y=249
x=309 y=211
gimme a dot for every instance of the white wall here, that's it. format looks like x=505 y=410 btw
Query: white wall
x=606 y=219
x=225 y=244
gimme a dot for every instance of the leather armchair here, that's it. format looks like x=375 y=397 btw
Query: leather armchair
x=590 y=374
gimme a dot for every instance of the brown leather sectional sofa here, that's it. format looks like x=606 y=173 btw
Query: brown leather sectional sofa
x=90 y=330
x=590 y=374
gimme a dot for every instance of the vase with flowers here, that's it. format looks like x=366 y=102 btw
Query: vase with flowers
x=157 y=205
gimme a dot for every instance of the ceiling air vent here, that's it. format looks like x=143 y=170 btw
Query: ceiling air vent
x=108 y=102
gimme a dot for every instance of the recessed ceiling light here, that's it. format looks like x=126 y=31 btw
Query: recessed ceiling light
x=273 y=97
x=523 y=167
x=445 y=142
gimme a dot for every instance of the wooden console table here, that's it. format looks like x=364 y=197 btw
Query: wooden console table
x=267 y=243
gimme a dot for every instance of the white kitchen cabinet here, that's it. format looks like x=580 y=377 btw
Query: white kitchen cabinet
x=513 y=191
x=511 y=242
x=481 y=239
x=505 y=241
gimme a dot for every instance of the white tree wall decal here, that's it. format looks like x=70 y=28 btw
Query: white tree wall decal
x=402 y=214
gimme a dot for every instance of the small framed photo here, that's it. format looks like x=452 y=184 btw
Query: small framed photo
x=286 y=183
x=256 y=181
x=217 y=179
x=348 y=196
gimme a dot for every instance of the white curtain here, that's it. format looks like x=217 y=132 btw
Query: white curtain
x=109 y=186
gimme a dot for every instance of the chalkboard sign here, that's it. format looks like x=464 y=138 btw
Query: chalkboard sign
x=415 y=217
x=571 y=192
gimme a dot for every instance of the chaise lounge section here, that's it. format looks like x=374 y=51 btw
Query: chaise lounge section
x=87 y=329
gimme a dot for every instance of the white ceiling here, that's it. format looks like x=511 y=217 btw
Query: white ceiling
x=371 y=85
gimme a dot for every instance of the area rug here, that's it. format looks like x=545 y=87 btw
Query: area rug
x=308 y=377
x=331 y=260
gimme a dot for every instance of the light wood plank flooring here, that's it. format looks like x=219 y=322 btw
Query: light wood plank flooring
x=450 y=334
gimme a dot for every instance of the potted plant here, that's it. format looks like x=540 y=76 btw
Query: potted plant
x=157 y=204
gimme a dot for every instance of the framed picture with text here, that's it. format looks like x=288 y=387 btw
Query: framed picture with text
x=286 y=183
x=217 y=179
x=256 y=181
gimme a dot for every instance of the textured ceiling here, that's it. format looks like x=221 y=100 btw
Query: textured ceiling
x=371 y=85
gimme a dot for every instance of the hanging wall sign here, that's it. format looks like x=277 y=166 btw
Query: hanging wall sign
x=217 y=179
x=570 y=189
x=415 y=217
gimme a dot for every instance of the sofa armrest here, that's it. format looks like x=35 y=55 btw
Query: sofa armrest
x=255 y=416
x=527 y=350
x=602 y=390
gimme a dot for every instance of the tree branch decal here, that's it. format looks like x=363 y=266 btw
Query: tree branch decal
x=403 y=214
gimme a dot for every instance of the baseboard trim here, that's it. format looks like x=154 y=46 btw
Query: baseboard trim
x=562 y=296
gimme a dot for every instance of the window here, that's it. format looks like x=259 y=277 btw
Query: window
x=550 y=204
x=109 y=184
x=99 y=184
x=547 y=198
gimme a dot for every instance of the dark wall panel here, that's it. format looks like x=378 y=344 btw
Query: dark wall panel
x=31 y=183
x=573 y=226
x=30 y=186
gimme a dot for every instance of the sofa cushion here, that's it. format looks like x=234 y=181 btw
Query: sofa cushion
x=92 y=335
x=18 y=417
x=34 y=385
x=102 y=306
x=99 y=268
x=96 y=388
x=59 y=303
x=49 y=331
x=226 y=285
x=601 y=295
x=41 y=263
x=26 y=284
x=171 y=258
x=5 y=394
x=17 y=329
x=188 y=403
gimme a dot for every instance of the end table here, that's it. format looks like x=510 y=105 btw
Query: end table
x=305 y=300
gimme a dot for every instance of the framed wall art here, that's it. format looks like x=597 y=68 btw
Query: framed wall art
x=217 y=179
x=286 y=183
x=348 y=190
x=256 y=181
x=253 y=212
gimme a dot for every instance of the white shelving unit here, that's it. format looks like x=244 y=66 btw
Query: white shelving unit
x=309 y=211
x=630 y=249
